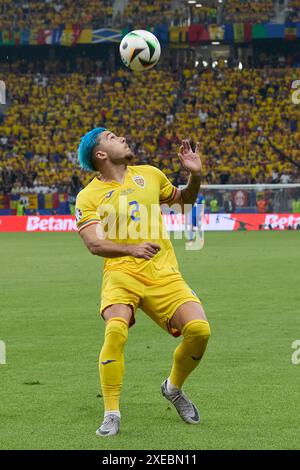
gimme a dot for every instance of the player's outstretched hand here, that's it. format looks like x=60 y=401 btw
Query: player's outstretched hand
x=144 y=250
x=190 y=160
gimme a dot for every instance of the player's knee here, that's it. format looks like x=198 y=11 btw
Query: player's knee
x=197 y=331
x=118 y=311
x=117 y=331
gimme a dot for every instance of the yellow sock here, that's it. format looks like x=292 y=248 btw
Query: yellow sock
x=188 y=354
x=111 y=362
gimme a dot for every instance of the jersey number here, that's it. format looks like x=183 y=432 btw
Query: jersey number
x=135 y=209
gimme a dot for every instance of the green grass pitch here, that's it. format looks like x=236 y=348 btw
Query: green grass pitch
x=246 y=388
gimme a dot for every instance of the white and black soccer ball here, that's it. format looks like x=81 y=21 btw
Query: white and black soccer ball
x=140 y=50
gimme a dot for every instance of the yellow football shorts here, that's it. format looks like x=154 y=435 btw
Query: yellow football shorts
x=158 y=298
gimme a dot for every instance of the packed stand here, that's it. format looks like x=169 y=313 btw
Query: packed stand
x=207 y=12
x=46 y=116
x=143 y=13
x=50 y=14
x=149 y=13
x=293 y=11
x=244 y=11
x=236 y=120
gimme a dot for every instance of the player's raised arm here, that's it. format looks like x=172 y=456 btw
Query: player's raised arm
x=191 y=162
x=109 y=249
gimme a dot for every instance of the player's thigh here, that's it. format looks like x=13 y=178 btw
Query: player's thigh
x=172 y=298
x=187 y=312
x=118 y=310
x=120 y=296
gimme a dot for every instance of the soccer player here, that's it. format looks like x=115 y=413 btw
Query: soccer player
x=139 y=271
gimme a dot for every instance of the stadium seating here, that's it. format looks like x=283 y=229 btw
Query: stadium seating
x=206 y=13
x=22 y=14
x=236 y=117
x=255 y=11
x=293 y=13
x=150 y=13
x=35 y=14
x=145 y=13
x=47 y=116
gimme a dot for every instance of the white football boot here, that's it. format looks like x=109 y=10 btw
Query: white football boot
x=110 y=426
x=185 y=408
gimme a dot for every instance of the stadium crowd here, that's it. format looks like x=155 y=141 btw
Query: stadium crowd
x=26 y=14
x=230 y=112
x=293 y=12
x=240 y=113
x=254 y=11
x=209 y=12
x=143 y=13
x=149 y=12
x=44 y=14
x=39 y=14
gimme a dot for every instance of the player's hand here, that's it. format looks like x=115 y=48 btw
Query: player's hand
x=190 y=160
x=144 y=250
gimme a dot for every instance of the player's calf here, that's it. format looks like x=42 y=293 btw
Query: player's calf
x=111 y=362
x=188 y=354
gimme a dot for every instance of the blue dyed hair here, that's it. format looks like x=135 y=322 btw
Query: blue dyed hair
x=86 y=147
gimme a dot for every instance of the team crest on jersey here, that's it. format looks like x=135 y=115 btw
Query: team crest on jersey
x=78 y=215
x=139 y=180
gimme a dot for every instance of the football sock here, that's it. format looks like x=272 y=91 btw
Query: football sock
x=111 y=362
x=188 y=354
x=171 y=388
x=112 y=412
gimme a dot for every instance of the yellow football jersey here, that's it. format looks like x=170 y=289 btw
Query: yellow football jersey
x=130 y=213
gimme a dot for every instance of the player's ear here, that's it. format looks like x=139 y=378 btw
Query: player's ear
x=100 y=155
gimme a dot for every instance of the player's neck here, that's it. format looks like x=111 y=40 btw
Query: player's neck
x=114 y=173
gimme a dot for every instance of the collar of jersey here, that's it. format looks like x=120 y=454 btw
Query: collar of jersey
x=114 y=182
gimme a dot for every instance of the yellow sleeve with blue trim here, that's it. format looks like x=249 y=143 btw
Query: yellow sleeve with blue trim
x=85 y=212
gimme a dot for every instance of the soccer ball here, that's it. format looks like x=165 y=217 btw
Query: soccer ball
x=140 y=50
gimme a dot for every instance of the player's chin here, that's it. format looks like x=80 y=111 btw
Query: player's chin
x=129 y=155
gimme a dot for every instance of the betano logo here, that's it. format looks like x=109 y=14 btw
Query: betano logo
x=51 y=224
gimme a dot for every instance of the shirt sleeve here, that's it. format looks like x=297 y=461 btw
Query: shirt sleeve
x=167 y=190
x=85 y=212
